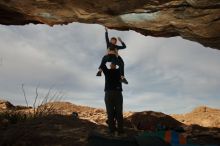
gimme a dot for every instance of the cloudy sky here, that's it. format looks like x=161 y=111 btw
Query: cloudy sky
x=170 y=75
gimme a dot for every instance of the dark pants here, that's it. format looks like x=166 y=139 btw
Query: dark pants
x=114 y=108
x=115 y=60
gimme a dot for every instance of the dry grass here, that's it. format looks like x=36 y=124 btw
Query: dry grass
x=39 y=108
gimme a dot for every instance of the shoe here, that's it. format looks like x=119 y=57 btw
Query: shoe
x=121 y=133
x=99 y=74
x=113 y=123
x=124 y=81
x=111 y=133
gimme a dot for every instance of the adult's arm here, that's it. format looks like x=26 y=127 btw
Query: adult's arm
x=104 y=69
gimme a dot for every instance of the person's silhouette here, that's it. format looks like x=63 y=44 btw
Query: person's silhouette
x=113 y=98
x=113 y=57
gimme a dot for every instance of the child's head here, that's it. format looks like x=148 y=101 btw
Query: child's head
x=113 y=40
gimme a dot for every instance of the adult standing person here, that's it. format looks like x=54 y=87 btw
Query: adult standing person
x=113 y=99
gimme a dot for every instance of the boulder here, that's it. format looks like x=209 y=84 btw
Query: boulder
x=6 y=105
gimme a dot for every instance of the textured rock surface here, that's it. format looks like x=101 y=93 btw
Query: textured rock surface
x=5 y=105
x=151 y=120
x=196 y=20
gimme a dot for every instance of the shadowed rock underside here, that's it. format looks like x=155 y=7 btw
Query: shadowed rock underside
x=196 y=20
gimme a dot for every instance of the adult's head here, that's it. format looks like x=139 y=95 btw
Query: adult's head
x=112 y=66
x=113 y=40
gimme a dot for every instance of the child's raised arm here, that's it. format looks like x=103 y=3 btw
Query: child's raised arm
x=106 y=37
x=122 y=43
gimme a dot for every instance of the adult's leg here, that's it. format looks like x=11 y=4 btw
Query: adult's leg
x=110 y=110
x=118 y=103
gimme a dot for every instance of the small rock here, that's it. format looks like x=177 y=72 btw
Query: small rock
x=5 y=105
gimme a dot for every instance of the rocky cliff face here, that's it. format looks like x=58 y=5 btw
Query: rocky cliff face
x=196 y=20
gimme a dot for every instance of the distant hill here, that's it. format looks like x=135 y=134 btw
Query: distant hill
x=203 y=116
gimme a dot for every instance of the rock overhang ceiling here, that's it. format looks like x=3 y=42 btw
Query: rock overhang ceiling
x=196 y=20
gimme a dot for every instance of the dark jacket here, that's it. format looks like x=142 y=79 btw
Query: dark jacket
x=112 y=79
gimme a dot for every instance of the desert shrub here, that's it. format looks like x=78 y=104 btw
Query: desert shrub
x=42 y=106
